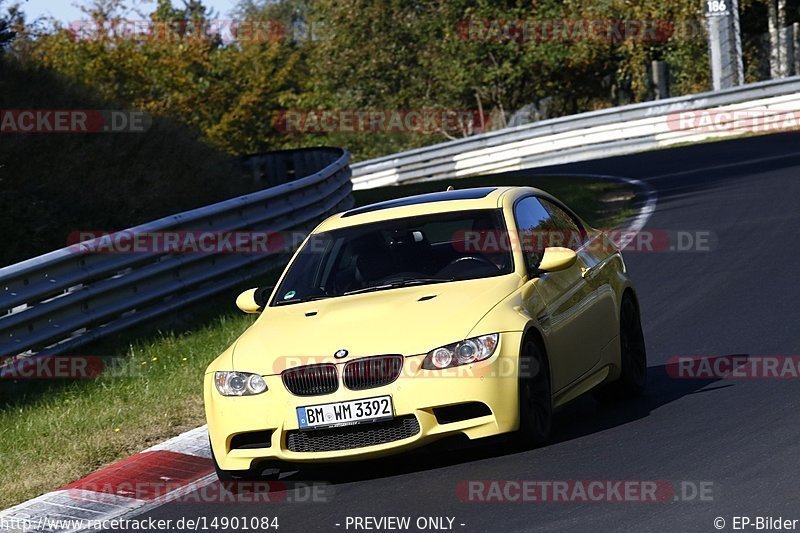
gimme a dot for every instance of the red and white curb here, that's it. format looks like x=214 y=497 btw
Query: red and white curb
x=136 y=484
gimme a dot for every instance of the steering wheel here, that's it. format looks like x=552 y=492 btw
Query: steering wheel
x=471 y=258
x=400 y=276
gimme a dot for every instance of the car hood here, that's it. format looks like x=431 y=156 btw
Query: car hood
x=408 y=321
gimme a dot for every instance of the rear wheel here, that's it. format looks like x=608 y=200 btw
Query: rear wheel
x=535 y=401
x=633 y=355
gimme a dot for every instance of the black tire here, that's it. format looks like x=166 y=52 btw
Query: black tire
x=535 y=400
x=633 y=356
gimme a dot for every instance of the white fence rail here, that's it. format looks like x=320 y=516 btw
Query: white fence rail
x=585 y=136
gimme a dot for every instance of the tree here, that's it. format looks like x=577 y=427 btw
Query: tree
x=491 y=57
x=181 y=69
x=10 y=23
x=294 y=16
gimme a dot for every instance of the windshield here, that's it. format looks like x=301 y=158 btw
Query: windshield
x=395 y=253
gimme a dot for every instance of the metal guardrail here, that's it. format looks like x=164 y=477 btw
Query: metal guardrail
x=609 y=132
x=68 y=297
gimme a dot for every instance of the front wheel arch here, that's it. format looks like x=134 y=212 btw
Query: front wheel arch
x=632 y=378
x=533 y=333
x=534 y=396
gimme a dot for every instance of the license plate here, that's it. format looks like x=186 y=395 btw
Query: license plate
x=345 y=413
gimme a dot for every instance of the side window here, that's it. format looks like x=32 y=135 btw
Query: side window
x=569 y=233
x=533 y=224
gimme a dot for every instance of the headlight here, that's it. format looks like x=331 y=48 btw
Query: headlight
x=239 y=383
x=461 y=353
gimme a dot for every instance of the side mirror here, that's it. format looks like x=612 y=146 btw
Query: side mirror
x=253 y=300
x=556 y=258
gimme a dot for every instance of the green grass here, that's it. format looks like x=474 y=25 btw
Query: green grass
x=60 y=433
x=54 y=433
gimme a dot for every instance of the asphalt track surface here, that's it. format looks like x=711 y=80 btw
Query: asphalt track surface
x=740 y=435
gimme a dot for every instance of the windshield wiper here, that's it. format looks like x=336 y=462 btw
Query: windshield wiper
x=302 y=300
x=397 y=284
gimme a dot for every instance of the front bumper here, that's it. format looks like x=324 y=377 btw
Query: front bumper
x=415 y=395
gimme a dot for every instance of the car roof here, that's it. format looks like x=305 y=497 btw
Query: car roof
x=428 y=203
x=441 y=196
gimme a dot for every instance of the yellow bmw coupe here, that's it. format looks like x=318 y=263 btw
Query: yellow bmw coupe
x=473 y=312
